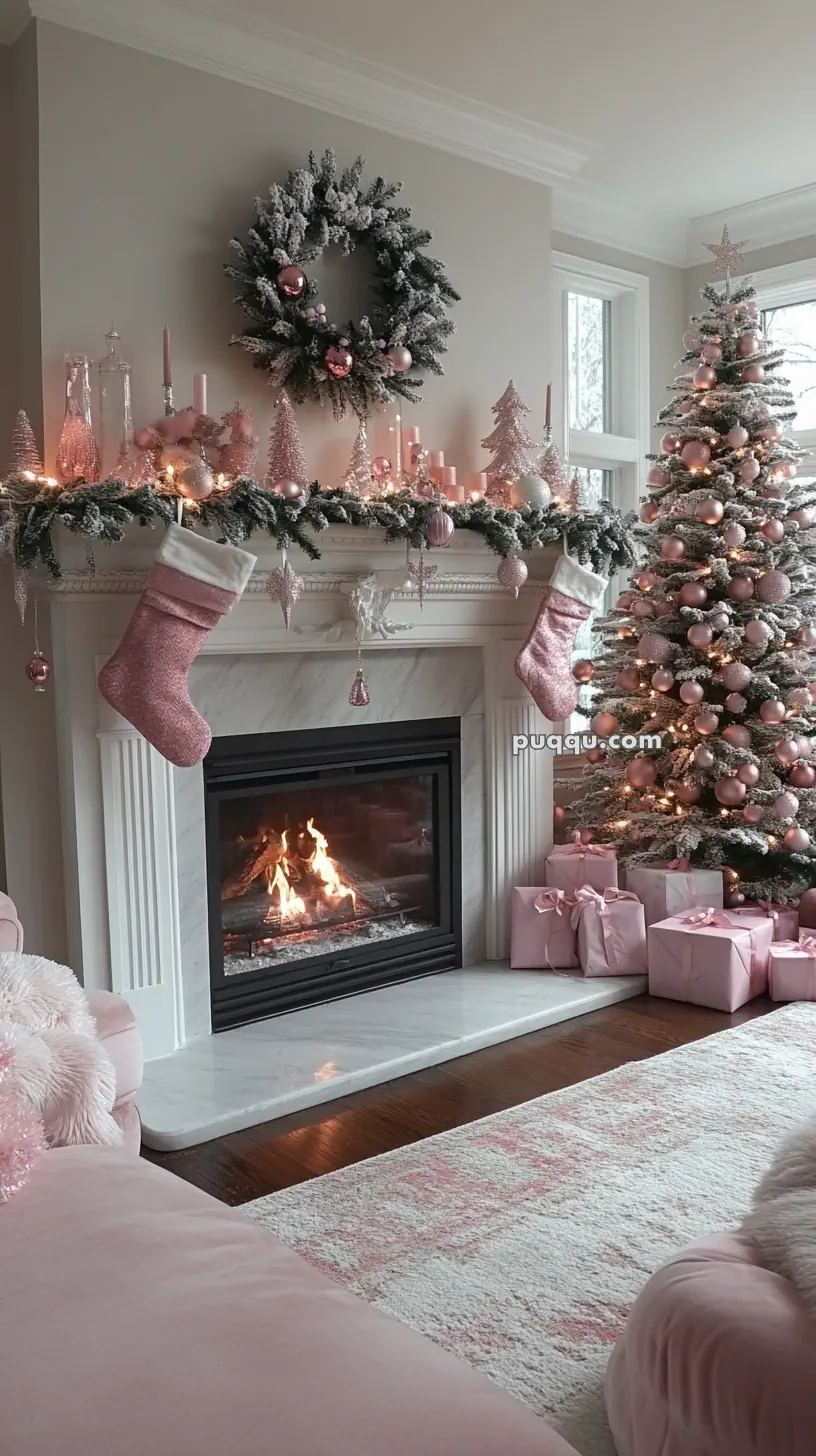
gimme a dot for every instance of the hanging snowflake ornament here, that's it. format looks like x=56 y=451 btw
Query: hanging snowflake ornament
x=284 y=587
x=421 y=575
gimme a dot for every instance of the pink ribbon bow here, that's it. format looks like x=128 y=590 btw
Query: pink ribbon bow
x=696 y=919
x=549 y=900
x=613 y=935
x=715 y=920
x=678 y=864
x=807 y=945
x=577 y=846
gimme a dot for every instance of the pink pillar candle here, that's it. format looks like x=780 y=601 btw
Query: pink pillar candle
x=411 y=442
x=548 y=410
x=436 y=462
x=447 y=480
x=167 y=375
x=200 y=393
x=479 y=490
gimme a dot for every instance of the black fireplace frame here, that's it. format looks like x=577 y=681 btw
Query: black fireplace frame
x=246 y=763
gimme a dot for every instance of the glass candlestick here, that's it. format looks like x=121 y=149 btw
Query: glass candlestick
x=77 y=452
x=115 y=410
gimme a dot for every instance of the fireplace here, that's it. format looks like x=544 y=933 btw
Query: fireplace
x=333 y=863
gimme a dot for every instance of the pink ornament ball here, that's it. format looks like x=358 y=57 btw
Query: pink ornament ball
x=646 y=580
x=643 y=607
x=629 y=680
x=786 y=806
x=691 y=692
x=291 y=281
x=584 y=670
x=700 y=636
x=658 y=477
x=558 y=815
x=737 y=735
x=729 y=791
x=803 y=776
x=752 y=813
x=737 y=437
x=736 y=676
x=734 y=535
x=691 y=340
x=695 y=454
x=711 y=353
x=748 y=469
x=710 y=511
x=771 y=433
x=686 y=406
x=803 y=516
x=703 y=757
x=604 y=724
x=664 y=606
x=400 y=359
x=747 y=344
x=594 y=755
x=704 y=377
x=669 y=443
x=38 y=672
x=512 y=574
x=381 y=467
x=688 y=792
x=773 y=587
x=624 y=601
x=771 y=491
x=748 y=774
x=772 y=711
x=787 y=751
x=740 y=588
x=752 y=374
x=654 y=647
x=649 y=512
x=806 y=637
x=786 y=469
x=796 y=839
x=706 y=723
x=693 y=594
x=672 y=548
x=662 y=680
x=735 y=703
x=641 y=772
x=757 y=633
x=773 y=530
x=338 y=361
x=439 y=529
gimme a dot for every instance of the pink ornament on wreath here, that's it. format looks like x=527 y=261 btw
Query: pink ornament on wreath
x=706 y=723
x=734 y=535
x=686 y=406
x=747 y=344
x=786 y=805
x=740 y=588
x=439 y=529
x=658 y=477
x=400 y=359
x=803 y=776
x=291 y=281
x=703 y=757
x=649 y=512
x=654 y=647
x=700 y=635
x=709 y=511
x=662 y=680
x=771 y=433
x=711 y=353
x=338 y=361
x=748 y=469
x=773 y=530
x=688 y=791
x=787 y=751
x=693 y=594
x=670 y=443
x=736 y=676
x=772 y=711
x=796 y=839
x=803 y=516
x=735 y=703
x=757 y=633
x=643 y=608
x=629 y=680
x=604 y=724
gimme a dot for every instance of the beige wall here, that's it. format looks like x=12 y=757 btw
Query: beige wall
x=148 y=168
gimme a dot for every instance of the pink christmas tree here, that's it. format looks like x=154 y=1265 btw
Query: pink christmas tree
x=509 y=443
x=24 y=453
x=286 y=460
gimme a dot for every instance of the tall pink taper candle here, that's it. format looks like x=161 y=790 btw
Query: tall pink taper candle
x=200 y=393
x=548 y=411
x=167 y=378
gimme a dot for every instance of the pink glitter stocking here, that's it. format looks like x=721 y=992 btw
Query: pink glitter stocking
x=544 y=663
x=192 y=584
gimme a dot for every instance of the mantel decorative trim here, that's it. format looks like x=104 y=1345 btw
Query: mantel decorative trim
x=126 y=582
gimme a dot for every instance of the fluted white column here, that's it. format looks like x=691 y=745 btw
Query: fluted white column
x=519 y=811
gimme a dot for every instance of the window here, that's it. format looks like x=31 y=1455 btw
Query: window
x=589 y=338
x=787 y=298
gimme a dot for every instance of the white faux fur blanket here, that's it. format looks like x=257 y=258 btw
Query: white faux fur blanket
x=783 y=1218
x=56 y=1064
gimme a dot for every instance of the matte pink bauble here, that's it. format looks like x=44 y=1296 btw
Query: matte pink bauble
x=658 y=477
x=662 y=680
x=594 y=755
x=685 y=406
x=703 y=757
x=747 y=344
x=693 y=594
x=806 y=636
x=700 y=636
x=706 y=723
x=291 y=281
x=772 y=711
x=688 y=792
x=439 y=528
x=584 y=670
x=672 y=548
x=737 y=735
x=748 y=773
x=786 y=805
x=338 y=361
x=736 y=676
x=803 y=776
x=748 y=469
x=400 y=359
x=772 y=529
x=691 y=692
x=558 y=814
x=603 y=724
x=649 y=512
x=711 y=353
x=629 y=680
x=291 y=490
x=757 y=633
x=729 y=791
x=737 y=437
x=646 y=580
x=773 y=587
x=735 y=703
x=654 y=647
x=381 y=467
x=752 y=374
x=710 y=511
x=643 y=607
x=669 y=443
x=796 y=839
x=664 y=606
x=695 y=454
x=803 y=517
x=771 y=433
x=734 y=535
x=641 y=772
x=787 y=750
x=704 y=377
x=752 y=813
x=740 y=588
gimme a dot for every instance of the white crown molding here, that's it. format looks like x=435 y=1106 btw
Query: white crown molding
x=584 y=210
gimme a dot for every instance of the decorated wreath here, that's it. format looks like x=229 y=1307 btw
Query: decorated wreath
x=356 y=366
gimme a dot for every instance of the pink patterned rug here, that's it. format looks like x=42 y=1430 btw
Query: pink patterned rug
x=519 y=1242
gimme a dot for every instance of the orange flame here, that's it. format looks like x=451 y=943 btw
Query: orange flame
x=323 y=865
x=290 y=905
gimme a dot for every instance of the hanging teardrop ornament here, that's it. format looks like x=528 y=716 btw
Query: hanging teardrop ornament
x=38 y=668
x=284 y=587
x=20 y=579
x=359 y=696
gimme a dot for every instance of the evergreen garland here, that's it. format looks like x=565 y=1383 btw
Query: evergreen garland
x=602 y=539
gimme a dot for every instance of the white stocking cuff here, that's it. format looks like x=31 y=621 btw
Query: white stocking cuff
x=213 y=562
x=578 y=582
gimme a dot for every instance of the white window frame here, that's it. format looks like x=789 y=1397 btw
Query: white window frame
x=790 y=283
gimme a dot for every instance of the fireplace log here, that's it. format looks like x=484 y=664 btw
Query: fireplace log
x=261 y=858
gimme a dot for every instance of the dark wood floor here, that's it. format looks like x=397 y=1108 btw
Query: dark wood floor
x=279 y=1154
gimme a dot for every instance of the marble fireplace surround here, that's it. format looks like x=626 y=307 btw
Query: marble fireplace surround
x=133 y=824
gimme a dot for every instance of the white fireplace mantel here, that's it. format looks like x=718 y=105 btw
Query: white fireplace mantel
x=134 y=885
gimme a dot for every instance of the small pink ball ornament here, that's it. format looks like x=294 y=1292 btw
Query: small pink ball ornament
x=704 y=377
x=806 y=637
x=439 y=528
x=752 y=374
x=710 y=511
x=771 y=433
x=672 y=548
x=706 y=723
x=658 y=477
x=654 y=647
x=291 y=281
x=773 y=530
x=787 y=751
x=662 y=680
x=737 y=735
x=594 y=755
x=786 y=805
x=691 y=692
x=711 y=353
x=703 y=757
x=735 y=703
x=664 y=606
x=584 y=670
x=381 y=467
x=338 y=361
x=737 y=437
x=669 y=443
x=729 y=791
x=700 y=636
x=748 y=774
x=803 y=516
x=786 y=469
x=604 y=724
x=695 y=454
x=771 y=491
x=686 y=406
x=693 y=594
x=688 y=792
x=748 y=469
x=747 y=344
x=646 y=580
x=643 y=608
x=740 y=588
x=772 y=711
x=38 y=672
x=691 y=340
x=641 y=772
x=796 y=839
x=400 y=359
x=773 y=587
x=629 y=680
x=512 y=574
x=736 y=676
x=757 y=633
x=734 y=535
x=649 y=512
x=803 y=776
x=752 y=813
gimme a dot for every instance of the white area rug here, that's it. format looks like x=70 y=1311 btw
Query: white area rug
x=519 y=1242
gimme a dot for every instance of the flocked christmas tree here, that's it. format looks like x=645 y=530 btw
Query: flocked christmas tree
x=359 y=475
x=713 y=647
x=509 y=443
x=24 y=453
x=286 y=460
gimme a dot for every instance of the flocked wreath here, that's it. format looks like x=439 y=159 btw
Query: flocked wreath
x=356 y=366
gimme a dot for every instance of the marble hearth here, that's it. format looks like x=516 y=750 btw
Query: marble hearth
x=133 y=826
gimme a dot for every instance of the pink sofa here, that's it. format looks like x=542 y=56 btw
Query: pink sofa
x=140 y=1315
x=718 y=1358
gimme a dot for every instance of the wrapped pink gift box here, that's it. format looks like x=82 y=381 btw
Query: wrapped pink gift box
x=785 y=921
x=792 y=969
x=569 y=866
x=669 y=889
x=710 y=957
x=541 y=932
x=611 y=932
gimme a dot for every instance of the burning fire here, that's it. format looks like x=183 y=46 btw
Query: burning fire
x=321 y=867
